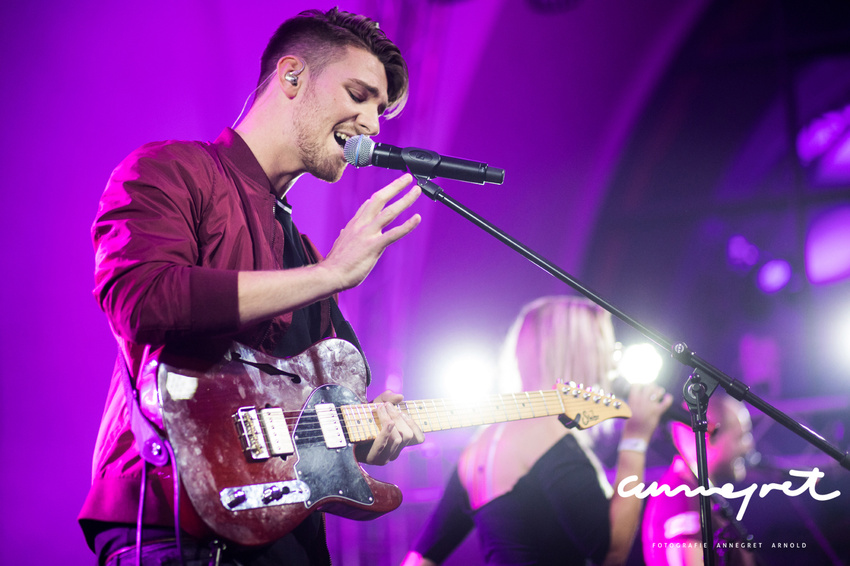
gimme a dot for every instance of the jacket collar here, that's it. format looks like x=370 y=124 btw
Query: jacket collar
x=230 y=146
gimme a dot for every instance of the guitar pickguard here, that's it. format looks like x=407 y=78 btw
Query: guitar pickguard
x=329 y=472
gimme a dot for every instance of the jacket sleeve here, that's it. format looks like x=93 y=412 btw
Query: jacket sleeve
x=148 y=279
x=448 y=525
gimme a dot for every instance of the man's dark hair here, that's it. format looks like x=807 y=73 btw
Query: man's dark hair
x=318 y=37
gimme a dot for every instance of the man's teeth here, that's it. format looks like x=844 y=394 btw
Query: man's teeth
x=341 y=138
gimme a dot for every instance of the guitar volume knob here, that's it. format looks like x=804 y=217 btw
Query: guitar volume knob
x=235 y=499
x=272 y=493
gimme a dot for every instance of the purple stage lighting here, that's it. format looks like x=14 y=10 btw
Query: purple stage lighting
x=774 y=275
x=828 y=247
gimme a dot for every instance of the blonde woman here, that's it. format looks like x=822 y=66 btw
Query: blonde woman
x=533 y=489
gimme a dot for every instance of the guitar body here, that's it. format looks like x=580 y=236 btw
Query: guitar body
x=207 y=409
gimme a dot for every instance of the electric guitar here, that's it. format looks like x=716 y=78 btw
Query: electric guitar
x=263 y=442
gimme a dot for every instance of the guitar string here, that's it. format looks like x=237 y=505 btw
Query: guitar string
x=470 y=412
x=309 y=427
x=493 y=407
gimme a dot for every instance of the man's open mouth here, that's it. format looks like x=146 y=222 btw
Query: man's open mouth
x=341 y=138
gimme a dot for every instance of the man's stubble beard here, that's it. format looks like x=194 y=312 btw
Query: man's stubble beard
x=310 y=147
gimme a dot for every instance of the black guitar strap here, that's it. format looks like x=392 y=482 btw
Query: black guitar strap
x=298 y=255
x=346 y=332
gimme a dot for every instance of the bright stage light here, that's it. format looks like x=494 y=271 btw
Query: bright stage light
x=827 y=247
x=467 y=373
x=840 y=339
x=640 y=363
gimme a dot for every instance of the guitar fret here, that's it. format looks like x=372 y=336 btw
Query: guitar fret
x=371 y=422
x=528 y=397
x=351 y=423
x=561 y=401
x=407 y=408
x=504 y=408
x=516 y=405
x=362 y=422
x=447 y=414
x=437 y=412
x=424 y=423
x=546 y=408
x=458 y=414
x=448 y=407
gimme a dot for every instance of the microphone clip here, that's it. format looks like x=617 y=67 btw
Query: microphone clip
x=431 y=189
x=420 y=162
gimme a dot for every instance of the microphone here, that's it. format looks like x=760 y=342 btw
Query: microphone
x=675 y=412
x=361 y=151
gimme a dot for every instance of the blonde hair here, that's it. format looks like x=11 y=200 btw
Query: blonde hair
x=558 y=338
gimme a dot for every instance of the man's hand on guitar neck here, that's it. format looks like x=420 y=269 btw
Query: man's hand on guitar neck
x=397 y=430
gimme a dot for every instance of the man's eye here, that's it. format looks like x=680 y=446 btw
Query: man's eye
x=355 y=98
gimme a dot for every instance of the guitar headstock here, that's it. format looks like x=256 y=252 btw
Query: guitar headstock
x=588 y=406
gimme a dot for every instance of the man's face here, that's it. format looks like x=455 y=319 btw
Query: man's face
x=345 y=99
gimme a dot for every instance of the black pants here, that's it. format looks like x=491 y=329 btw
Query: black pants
x=117 y=547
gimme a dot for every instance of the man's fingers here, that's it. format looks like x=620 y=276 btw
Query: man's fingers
x=397 y=431
x=391 y=212
x=380 y=198
x=418 y=437
x=398 y=232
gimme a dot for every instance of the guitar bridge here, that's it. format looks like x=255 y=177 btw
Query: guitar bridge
x=263 y=433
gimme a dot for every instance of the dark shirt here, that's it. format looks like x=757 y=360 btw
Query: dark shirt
x=556 y=515
x=306 y=326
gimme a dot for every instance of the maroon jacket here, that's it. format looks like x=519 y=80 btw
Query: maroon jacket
x=176 y=223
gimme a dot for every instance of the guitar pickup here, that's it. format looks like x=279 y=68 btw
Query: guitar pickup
x=330 y=425
x=263 y=433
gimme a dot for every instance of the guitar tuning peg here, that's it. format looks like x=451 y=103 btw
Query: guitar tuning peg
x=572 y=383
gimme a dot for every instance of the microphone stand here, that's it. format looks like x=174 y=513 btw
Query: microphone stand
x=701 y=383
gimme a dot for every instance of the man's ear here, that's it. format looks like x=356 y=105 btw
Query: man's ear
x=289 y=74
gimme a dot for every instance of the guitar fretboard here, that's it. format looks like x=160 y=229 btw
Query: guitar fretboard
x=444 y=414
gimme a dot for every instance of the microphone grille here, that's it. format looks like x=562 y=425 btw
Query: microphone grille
x=358 y=150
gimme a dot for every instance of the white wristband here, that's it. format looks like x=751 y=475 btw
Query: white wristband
x=633 y=445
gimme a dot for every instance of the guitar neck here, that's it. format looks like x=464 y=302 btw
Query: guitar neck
x=445 y=414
